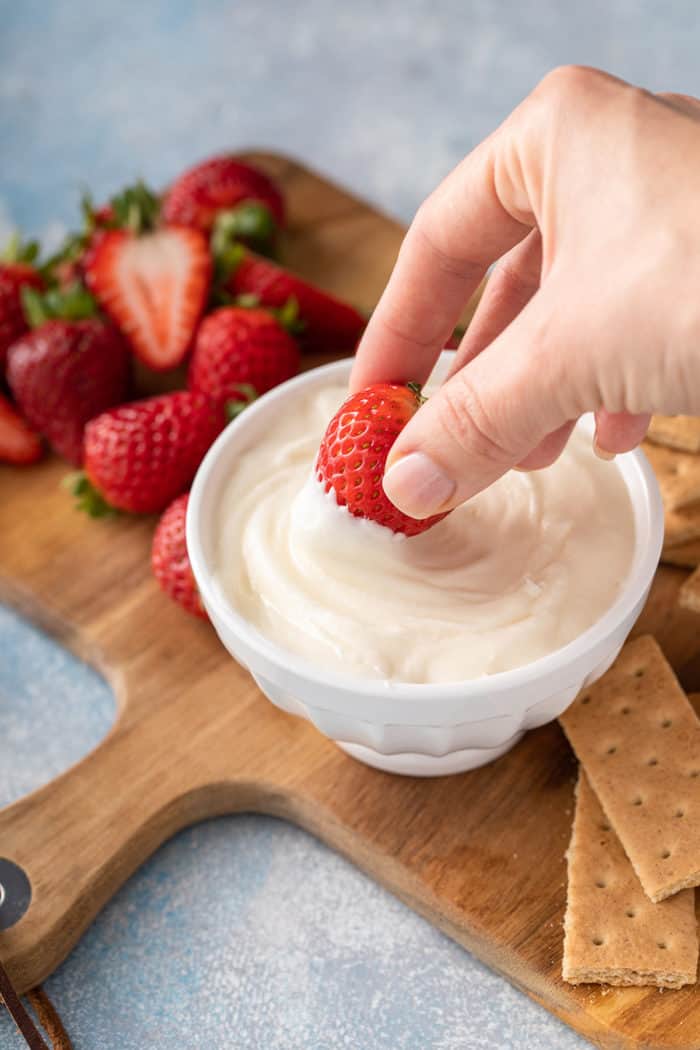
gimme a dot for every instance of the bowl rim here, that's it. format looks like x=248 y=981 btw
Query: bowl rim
x=568 y=655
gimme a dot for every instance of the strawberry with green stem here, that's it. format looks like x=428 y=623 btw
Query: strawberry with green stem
x=239 y=354
x=325 y=323
x=243 y=199
x=17 y=271
x=69 y=367
x=140 y=456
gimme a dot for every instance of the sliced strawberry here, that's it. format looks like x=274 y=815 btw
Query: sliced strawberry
x=18 y=442
x=328 y=324
x=154 y=287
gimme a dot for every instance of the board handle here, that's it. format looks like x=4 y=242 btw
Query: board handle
x=78 y=839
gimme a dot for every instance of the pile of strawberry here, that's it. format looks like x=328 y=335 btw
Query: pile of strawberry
x=152 y=283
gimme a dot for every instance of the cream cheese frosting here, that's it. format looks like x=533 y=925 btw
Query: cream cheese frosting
x=515 y=573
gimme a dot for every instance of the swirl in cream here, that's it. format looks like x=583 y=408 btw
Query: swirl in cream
x=515 y=573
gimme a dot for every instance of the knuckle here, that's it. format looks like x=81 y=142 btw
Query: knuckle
x=570 y=81
x=469 y=424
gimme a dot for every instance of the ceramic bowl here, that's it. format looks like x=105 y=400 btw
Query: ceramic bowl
x=420 y=730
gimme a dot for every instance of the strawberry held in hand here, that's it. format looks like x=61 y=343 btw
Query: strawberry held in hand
x=153 y=281
x=68 y=368
x=241 y=353
x=140 y=456
x=354 y=450
x=16 y=272
x=170 y=561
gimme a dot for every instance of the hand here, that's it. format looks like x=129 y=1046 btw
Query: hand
x=589 y=194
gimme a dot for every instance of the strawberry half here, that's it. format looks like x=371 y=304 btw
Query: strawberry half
x=18 y=442
x=63 y=372
x=170 y=561
x=354 y=450
x=153 y=282
x=16 y=272
x=327 y=323
x=140 y=456
x=241 y=353
x=221 y=183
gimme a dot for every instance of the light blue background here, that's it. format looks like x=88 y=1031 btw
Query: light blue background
x=245 y=932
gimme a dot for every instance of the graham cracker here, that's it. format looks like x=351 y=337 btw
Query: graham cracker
x=613 y=934
x=638 y=739
x=678 y=475
x=689 y=594
x=681 y=432
x=686 y=554
x=681 y=526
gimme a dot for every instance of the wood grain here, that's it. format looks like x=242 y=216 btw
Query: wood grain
x=480 y=855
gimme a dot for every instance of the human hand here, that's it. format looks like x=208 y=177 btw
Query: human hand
x=588 y=195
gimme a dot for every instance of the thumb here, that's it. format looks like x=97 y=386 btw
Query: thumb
x=485 y=419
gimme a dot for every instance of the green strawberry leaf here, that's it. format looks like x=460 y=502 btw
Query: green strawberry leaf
x=87 y=497
x=68 y=304
x=234 y=407
x=16 y=251
x=136 y=208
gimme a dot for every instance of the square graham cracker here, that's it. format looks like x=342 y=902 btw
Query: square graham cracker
x=613 y=934
x=678 y=474
x=681 y=432
x=638 y=740
x=681 y=526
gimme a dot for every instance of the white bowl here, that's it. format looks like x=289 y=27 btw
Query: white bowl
x=420 y=730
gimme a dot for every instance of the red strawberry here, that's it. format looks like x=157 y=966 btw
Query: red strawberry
x=237 y=349
x=64 y=372
x=153 y=283
x=142 y=455
x=169 y=559
x=328 y=323
x=354 y=449
x=16 y=272
x=222 y=183
x=18 y=443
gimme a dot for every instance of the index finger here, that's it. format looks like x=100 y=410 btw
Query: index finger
x=469 y=221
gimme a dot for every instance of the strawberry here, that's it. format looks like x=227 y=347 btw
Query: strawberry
x=241 y=353
x=16 y=272
x=328 y=323
x=64 y=371
x=170 y=562
x=18 y=442
x=153 y=282
x=140 y=456
x=354 y=449
x=224 y=184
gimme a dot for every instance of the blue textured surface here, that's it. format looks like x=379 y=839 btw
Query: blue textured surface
x=246 y=932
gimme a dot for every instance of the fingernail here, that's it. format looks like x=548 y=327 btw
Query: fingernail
x=417 y=485
x=602 y=453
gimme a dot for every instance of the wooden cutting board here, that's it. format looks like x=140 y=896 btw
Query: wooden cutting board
x=480 y=855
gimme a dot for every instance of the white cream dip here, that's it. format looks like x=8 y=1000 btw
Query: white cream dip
x=515 y=573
